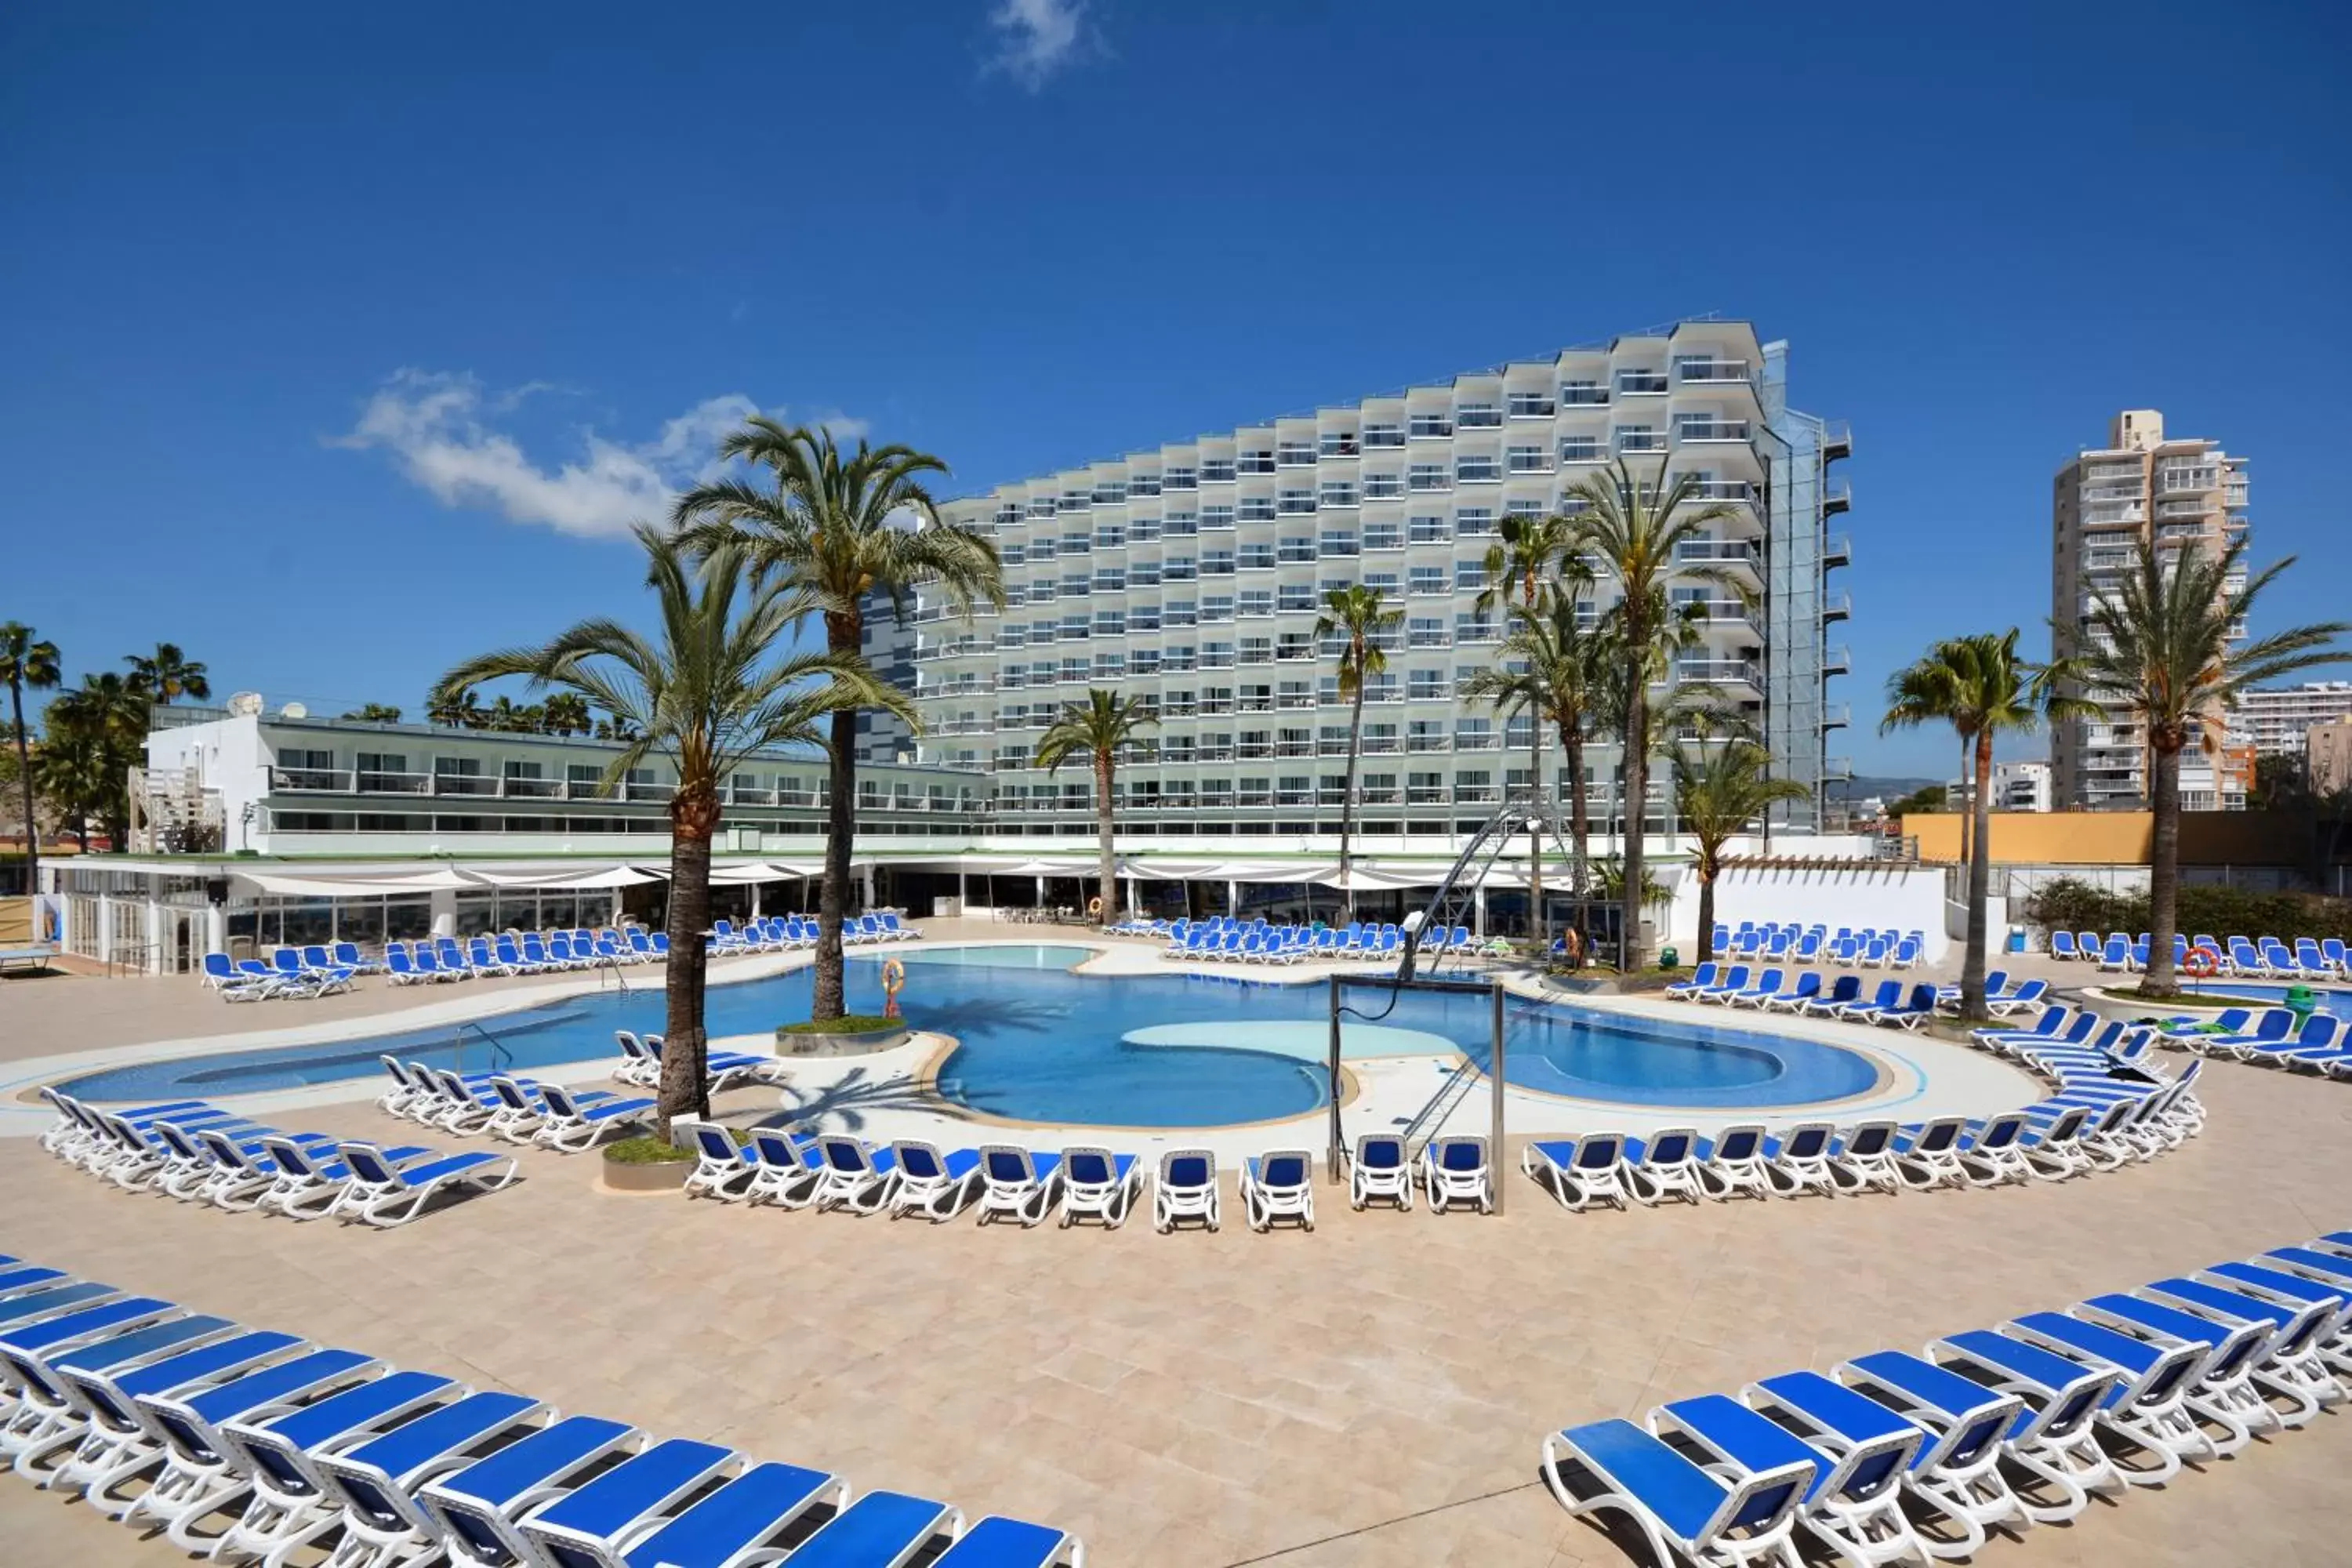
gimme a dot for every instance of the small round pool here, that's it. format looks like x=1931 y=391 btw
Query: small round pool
x=1037 y=1043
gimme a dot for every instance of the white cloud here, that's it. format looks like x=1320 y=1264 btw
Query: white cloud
x=1035 y=39
x=436 y=427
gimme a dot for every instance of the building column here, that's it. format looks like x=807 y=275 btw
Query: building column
x=216 y=927
x=1233 y=899
x=960 y=892
x=105 y=928
x=1478 y=912
x=865 y=883
x=755 y=901
x=443 y=903
x=157 y=960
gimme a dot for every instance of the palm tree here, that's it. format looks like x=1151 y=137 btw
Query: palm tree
x=565 y=713
x=167 y=675
x=1636 y=529
x=1523 y=560
x=2162 y=645
x=1552 y=664
x=707 y=696
x=375 y=713
x=98 y=732
x=1979 y=687
x=456 y=710
x=27 y=660
x=1361 y=616
x=1101 y=726
x=1719 y=789
x=849 y=531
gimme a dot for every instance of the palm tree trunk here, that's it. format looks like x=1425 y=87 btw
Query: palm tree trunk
x=1973 y=963
x=2163 y=873
x=32 y=829
x=1347 y=803
x=1966 y=813
x=1103 y=821
x=1636 y=807
x=1535 y=920
x=840 y=829
x=1580 y=825
x=684 y=1085
x=1706 y=911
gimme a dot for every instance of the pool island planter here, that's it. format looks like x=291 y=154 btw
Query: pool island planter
x=643 y=1176
x=804 y=1043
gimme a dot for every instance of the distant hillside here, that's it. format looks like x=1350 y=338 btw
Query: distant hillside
x=1865 y=786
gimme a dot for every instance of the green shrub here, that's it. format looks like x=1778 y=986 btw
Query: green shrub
x=847 y=1024
x=2066 y=904
x=645 y=1149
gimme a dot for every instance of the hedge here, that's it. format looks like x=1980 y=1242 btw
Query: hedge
x=2066 y=904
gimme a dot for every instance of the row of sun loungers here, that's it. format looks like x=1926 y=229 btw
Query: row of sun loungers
x=1866 y=949
x=2107 y=1111
x=1810 y=993
x=797 y=934
x=2323 y=959
x=291 y=973
x=162 y=1418
x=2321 y=1043
x=197 y=1153
x=1299 y=944
x=1896 y=1457
x=908 y=1177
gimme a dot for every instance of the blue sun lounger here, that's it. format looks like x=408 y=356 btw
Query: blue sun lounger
x=588 y=1525
x=52 y=1411
x=292 y=1504
x=118 y=1439
x=1578 y=1172
x=1015 y=1181
x=856 y=1174
x=1852 y=1501
x=204 y=1472
x=999 y=1543
x=375 y=1484
x=476 y=1508
x=737 y=1523
x=2145 y=1407
x=1959 y=1469
x=1676 y=1505
x=932 y=1184
x=2054 y=1435
x=2294 y=1367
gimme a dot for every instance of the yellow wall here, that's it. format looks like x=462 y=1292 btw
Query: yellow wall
x=2110 y=837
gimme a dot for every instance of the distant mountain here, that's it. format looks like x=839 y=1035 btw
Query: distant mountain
x=1865 y=786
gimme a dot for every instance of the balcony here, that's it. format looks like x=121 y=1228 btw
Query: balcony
x=1718 y=672
x=1711 y=429
x=1837 y=496
x=1836 y=660
x=1719 y=554
x=1710 y=372
x=1640 y=441
x=1836 y=607
x=1837 y=550
x=1837 y=767
x=1837 y=716
x=1837 y=439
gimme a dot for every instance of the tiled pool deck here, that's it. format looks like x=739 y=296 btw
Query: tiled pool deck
x=1372 y=1393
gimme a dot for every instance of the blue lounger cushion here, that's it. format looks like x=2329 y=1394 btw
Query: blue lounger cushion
x=528 y=1461
x=740 y=1515
x=41 y=1303
x=272 y=1384
x=126 y=1312
x=120 y=1350
x=1850 y=1416
x=355 y=1407
x=626 y=1492
x=880 y=1527
x=999 y=1543
x=196 y=1365
x=454 y=1426
x=1754 y=1441
x=1683 y=1498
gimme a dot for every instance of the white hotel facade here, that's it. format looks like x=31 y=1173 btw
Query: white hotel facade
x=1192 y=576
x=1189 y=575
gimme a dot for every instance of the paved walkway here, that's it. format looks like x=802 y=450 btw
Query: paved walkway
x=1368 y=1395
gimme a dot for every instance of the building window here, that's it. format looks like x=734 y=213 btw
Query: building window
x=1430 y=426
x=1382 y=434
x=1479 y=416
x=1530 y=406
x=1428 y=476
x=1583 y=394
x=1384 y=535
x=1386 y=485
x=1476 y=468
x=1430 y=530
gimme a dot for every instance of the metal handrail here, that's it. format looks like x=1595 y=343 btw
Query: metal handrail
x=500 y=1056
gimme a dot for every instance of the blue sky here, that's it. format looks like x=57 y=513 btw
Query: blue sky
x=337 y=342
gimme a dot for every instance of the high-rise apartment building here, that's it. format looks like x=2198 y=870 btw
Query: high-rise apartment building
x=2275 y=720
x=2183 y=494
x=1192 y=576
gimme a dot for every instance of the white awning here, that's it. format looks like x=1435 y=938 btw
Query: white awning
x=569 y=877
x=330 y=886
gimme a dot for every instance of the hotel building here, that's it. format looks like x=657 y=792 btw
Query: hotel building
x=1190 y=574
x=2182 y=493
x=2275 y=720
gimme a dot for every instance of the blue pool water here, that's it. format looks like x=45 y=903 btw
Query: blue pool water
x=1041 y=1043
x=2338 y=1002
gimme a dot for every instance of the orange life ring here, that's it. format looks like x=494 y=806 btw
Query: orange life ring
x=2203 y=964
x=1094 y=908
x=893 y=980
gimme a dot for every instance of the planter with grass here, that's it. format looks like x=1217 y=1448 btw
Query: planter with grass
x=645 y=1165
x=851 y=1035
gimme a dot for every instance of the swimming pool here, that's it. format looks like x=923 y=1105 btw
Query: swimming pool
x=2330 y=1000
x=1039 y=1044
